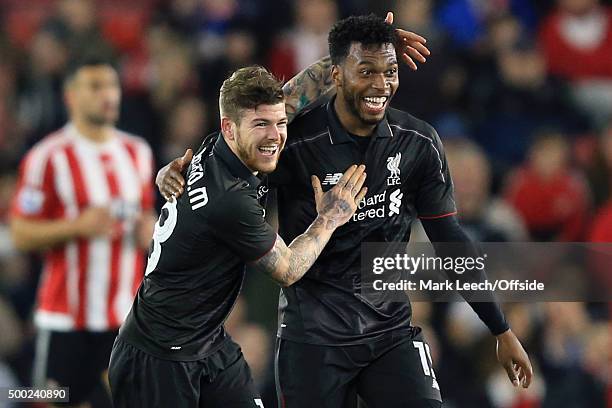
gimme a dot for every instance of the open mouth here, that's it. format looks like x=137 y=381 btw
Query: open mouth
x=375 y=104
x=269 y=150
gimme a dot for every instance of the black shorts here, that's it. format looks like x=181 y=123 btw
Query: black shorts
x=223 y=379
x=395 y=371
x=76 y=359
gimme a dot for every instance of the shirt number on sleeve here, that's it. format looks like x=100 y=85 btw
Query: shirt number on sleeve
x=163 y=229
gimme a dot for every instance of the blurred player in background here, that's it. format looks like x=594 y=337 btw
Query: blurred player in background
x=85 y=200
x=334 y=344
x=173 y=349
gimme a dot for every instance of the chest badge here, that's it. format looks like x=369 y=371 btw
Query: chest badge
x=393 y=164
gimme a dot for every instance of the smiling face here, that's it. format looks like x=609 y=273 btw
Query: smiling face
x=259 y=136
x=366 y=81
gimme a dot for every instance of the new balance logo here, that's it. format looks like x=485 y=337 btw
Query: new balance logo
x=396 y=202
x=331 y=179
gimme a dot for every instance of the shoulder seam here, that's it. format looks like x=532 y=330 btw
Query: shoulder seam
x=310 y=139
x=40 y=154
x=431 y=142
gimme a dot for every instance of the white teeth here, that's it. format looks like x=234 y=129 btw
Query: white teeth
x=268 y=149
x=372 y=99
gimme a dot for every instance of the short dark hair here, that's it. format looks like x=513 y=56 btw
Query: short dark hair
x=367 y=30
x=248 y=88
x=86 y=61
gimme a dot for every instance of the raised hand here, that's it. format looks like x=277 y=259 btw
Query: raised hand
x=411 y=45
x=338 y=205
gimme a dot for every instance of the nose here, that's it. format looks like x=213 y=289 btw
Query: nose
x=274 y=133
x=379 y=82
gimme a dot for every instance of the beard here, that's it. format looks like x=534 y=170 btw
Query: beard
x=248 y=154
x=244 y=154
x=101 y=120
x=353 y=102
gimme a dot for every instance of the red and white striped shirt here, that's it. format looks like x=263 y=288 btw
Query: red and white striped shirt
x=87 y=284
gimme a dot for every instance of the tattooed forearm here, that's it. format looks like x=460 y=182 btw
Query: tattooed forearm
x=308 y=86
x=286 y=265
x=270 y=261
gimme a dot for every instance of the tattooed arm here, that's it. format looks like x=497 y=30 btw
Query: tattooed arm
x=287 y=264
x=308 y=86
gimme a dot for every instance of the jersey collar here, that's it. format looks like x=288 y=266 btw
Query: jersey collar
x=235 y=165
x=338 y=133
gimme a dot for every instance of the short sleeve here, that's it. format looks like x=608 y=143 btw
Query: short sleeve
x=35 y=196
x=435 y=197
x=237 y=219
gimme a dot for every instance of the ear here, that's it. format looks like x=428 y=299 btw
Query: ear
x=68 y=96
x=227 y=127
x=336 y=75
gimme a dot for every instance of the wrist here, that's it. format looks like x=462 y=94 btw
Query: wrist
x=507 y=335
x=325 y=222
x=74 y=228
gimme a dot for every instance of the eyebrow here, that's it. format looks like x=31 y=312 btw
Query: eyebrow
x=267 y=120
x=369 y=62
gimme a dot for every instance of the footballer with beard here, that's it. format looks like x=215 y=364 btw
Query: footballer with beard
x=172 y=349
x=334 y=344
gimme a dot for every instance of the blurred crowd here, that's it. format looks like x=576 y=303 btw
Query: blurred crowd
x=520 y=92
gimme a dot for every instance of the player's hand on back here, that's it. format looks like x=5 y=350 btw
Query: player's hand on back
x=169 y=179
x=513 y=357
x=411 y=46
x=339 y=204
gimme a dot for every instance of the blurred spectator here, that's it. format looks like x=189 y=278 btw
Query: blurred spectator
x=599 y=168
x=76 y=25
x=517 y=97
x=551 y=196
x=181 y=16
x=567 y=355
x=173 y=76
x=253 y=339
x=203 y=22
x=10 y=342
x=187 y=124
x=41 y=109
x=8 y=67
x=168 y=74
x=441 y=79
x=600 y=257
x=577 y=41
x=466 y=20
x=485 y=218
x=307 y=41
x=240 y=51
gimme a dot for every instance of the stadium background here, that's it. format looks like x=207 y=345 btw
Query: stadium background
x=520 y=92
